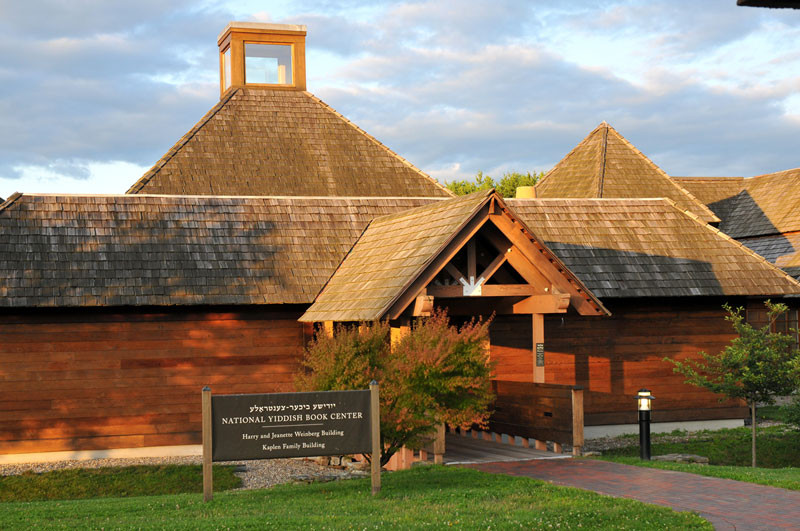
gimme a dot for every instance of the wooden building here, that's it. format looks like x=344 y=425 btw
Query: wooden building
x=274 y=212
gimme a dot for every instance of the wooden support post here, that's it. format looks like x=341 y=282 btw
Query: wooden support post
x=208 y=477
x=375 y=426
x=540 y=445
x=399 y=331
x=557 y=448
x=327 y=328
x=423 y=455
x=538 y=339
x=486 y=435
x=577 y=421
x=526 y=443
x=438 y=446
x=471 y=262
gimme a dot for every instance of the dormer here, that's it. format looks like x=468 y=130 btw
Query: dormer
x=257 y=54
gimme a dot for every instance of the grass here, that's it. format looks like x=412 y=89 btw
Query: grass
x=786 y=478
x=422 y=497
x=777 y=447
x=728 y=452
x=777 y=413
x=112 y=482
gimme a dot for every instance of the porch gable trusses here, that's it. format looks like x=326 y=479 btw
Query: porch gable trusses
x=402 y=260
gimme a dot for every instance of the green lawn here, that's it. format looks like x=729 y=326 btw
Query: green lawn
x=728 y=451
x=777 y=447
x=786 y=478
x=112 y=482
x=421 y=497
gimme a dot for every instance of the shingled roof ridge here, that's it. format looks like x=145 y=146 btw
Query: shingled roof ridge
x=10 y=200
x=182 y=141
x=580 y=144
x=727 y=238
x=379 y=143
x=706 y=178
x=772 y=174
x=702 y=206
x=209 y=197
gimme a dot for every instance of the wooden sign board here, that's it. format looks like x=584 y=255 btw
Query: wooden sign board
x=269 y=426
x=280 y=425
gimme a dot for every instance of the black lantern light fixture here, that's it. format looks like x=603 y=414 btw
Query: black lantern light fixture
x=645 y=400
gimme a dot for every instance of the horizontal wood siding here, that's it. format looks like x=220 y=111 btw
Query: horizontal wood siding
x=510 y=337
x=612 y=358
x=531 y=410
x=89 y=380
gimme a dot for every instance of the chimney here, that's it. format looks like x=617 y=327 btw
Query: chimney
x=526 y=192
x=256 y=54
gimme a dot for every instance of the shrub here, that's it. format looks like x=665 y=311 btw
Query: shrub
x=436 y=373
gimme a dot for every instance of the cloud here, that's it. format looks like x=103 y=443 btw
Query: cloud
x=98 y=85
x=453 y=87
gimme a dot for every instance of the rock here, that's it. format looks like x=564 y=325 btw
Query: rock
x=682 y=458
x=335 y=460
x=324 y=461
x=591 y=454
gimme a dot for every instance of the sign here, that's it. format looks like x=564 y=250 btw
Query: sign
x=540 y=354
x=268 y=426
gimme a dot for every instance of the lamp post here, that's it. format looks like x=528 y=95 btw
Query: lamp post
x=645 y=400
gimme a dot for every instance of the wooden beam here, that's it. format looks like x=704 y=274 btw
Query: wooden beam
x=423 y=306
x=446 y=291
x=492 y=268
x=487 y=290
x=537 y=329
x=471 y=267
x=506 y=306
x=551 y=268
x=411 y=291
x=517 y=260
x=454 y=272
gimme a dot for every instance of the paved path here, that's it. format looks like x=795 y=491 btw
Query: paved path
x=725 y=503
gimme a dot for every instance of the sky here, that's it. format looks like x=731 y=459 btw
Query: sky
x=92 y=92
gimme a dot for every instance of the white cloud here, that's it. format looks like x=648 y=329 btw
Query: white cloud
x=453 y=87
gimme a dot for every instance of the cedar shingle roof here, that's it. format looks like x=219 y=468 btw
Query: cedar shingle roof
x=717 y=193
x=282 y=143
x=606 y=165
x=783 y=250
x=648 y=248
x=395 y=250
x=390 y=254
x=62 y=250
x=769 y=204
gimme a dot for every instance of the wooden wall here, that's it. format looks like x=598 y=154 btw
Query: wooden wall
x=613 y=357
x=80 y=380
x=511 y=340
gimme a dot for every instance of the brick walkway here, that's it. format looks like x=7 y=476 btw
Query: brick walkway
x=725 y=503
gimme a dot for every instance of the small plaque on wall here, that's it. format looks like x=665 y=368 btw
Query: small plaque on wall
x=540 y=354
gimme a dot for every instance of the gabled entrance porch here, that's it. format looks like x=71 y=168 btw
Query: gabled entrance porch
x=474 y=258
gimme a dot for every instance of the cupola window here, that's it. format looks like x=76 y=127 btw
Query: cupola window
x=268 y=64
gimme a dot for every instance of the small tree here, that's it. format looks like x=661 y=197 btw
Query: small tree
x=757 y=366
x=437 y=373
x=505 y=187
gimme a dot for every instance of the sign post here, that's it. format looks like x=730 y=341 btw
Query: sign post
x=208 y=480
x=276 y=425
x=375 y=421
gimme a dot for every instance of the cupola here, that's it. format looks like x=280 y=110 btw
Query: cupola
x=257 y=54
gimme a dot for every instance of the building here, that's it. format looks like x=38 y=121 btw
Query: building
x=274 y=213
